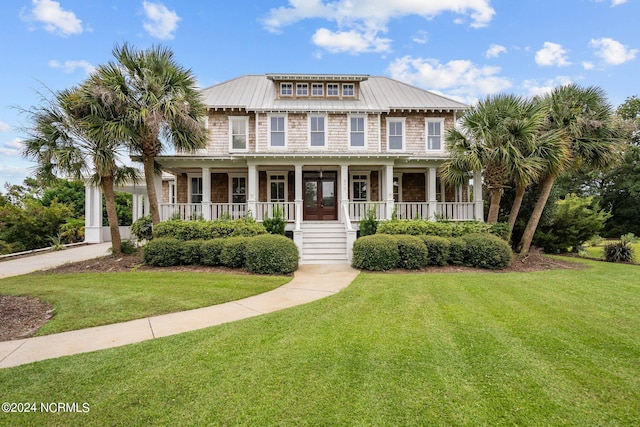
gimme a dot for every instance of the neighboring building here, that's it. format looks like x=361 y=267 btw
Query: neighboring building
x=326 y=148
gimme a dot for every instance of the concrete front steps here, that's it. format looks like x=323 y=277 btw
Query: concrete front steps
x=324 y=242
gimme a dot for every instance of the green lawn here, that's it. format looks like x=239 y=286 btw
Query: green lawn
x=545 y=348
x=83 y=300
x=598 y=251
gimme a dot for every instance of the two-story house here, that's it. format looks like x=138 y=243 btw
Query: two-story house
x=326 y=149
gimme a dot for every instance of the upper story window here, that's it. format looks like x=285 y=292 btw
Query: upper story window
x=238 y=133
x=286 y=89
x=434 y=130
x=317 y=124
x=317 y=89
x=357 y=131
x=302 y=89
x=333 y=89
x=395 y=133
x=277 y=124
x=348 y=89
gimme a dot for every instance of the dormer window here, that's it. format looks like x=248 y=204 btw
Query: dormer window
x=332 y=89
x=286 y=89
x=348 y=89
x=302 y=89
x=317 y=89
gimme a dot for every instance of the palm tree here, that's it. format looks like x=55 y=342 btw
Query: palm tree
x=157 y=103
x=494 y=136
x=60 y=142
x=584 y=120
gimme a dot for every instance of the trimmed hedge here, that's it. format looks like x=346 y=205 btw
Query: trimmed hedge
x=233 y=252
x=487 y=251
x=412 y=252
x=162 y=252
x=271 y=254
x=192 y=230
x=211 y=250
x=457 y=249
x=438 y=249
x=421 y=227
x=378 y=252
x=191 y=253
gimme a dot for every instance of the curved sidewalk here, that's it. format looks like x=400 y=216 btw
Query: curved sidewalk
x=310 y=283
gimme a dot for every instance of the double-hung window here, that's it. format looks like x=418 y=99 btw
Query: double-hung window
x=357 y=131
x=333 y=89
x=434 y=128
x=238 y=133
x=317 y=130
x=359 y=187
x=278 y=188
x=196 y=190
x=317 y=89
x=348 y=89
x=395 y=133
x=286 y=89
x=302 y=89
x=277 y=130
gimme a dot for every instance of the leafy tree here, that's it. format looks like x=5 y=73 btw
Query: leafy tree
x=496 y=137
x=157 y=103
x=71 y=193
x=590 y=137
x=575 y=220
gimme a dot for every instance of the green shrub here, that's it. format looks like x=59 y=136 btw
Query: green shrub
x=618 y=252
x=457 y=250
x=276 y=224
x=629 y=238
x=487 y=251
x=191 y=253
x=192 y=230
x=369 y=224
x=162 y=252
x=378 y=253
x=271 y=254
x=420 y=227
x=142 y=228
x=211 y=250
x=233 y=252
x=412 y=252
x=128 y=247
x=437 y=249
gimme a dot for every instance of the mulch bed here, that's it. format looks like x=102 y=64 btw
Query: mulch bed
x=21 y=317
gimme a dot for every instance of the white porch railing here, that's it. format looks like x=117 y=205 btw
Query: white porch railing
x=227 y=210
x=358 y=210
x=456 y=211
x=412 y=210
x=266 y=210
x=185 y=211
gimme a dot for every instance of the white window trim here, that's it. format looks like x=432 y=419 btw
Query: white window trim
x=333 y=84
x=326 y=136
x=399 y=176
x=368 y=180
x=321 y=87
x=353 y=88
x=426 y=133
x=286 y=126
x=357 y=116
x=271 y=174
x=246 y=129
x=190 y=193
x=292 y=89
x=302 y=85
x=238 y=175
x=404 y=134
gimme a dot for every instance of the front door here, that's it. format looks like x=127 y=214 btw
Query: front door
x=320 y=201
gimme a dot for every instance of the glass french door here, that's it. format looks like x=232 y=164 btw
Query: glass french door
x=320 y=196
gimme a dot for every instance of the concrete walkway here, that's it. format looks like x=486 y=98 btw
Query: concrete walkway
x=310 y=283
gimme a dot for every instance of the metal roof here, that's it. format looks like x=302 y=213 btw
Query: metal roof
x=257 y=93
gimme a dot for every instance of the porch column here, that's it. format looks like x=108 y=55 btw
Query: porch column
x=388 y=191
x=298 y=195
x=206 y=193
x=478 y=210
x=138 y=207
x=344 y=191
x=93 y=214
x=252 y=190
x=431 y=193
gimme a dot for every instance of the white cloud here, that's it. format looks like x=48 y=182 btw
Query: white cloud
x=350 y=41
x=552 y=54
x=161 y=22
x=541 y=88
x=587 y=65
x=71 y=66
x=495 y=50
x=421 y=37
x=461 y=79
x=11 y=148
x=612 y=52
x=4 y=127
x=365 y=19
x=615 y=3
x=55 y=19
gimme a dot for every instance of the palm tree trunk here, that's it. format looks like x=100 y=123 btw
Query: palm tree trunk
x=515 y=208
x=545 y=189
x=494 y=208
x=149 y=177
x=112 y=215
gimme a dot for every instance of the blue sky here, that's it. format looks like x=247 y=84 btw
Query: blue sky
x=465 y=49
